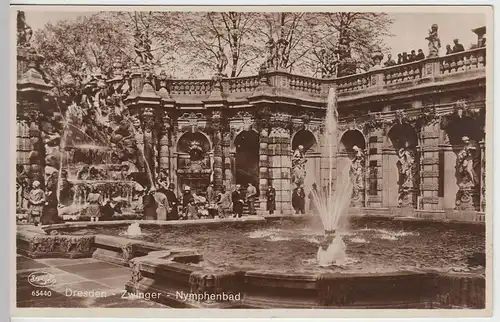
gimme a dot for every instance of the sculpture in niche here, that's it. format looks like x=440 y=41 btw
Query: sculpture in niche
x=357 y=172
x=299 y=165
x=467 y=161
x=434 y=41
x=406 y=168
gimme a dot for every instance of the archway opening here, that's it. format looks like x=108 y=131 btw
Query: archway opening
x=247 y=158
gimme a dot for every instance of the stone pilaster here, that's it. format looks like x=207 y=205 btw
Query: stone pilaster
x=280 y=161
x=36 y=158
x=374 y=167
x=430 y=167
x=165 y=141
x=218 y=151
x=164 y=145
x=483 y=176
x=226 y=151
x=263 y=168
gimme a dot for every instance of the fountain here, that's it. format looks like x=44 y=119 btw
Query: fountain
x=133 y=230
x=97 y=151
x=332 y=203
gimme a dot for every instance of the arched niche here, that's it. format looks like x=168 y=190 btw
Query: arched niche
x=307 y=139
x=246 y=144
x=459 y=125
x=352 y=138
x=194 y=166
x=402 y=166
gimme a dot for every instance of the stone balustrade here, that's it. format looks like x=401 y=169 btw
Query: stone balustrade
x=430 y=70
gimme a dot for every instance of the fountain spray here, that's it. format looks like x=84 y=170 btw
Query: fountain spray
x=334 y=202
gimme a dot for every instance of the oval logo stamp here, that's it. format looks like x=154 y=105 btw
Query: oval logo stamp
x=41 y=279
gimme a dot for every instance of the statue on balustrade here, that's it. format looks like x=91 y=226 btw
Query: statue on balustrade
x=221 y=62
x=24 y=32
x=356 y=173
x=271 y=53
x=467 y=162
x=142 y=47
x=434 y=41
x=299 y=166
x=407 y=167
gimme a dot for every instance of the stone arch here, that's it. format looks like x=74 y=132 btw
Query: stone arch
x=350 y=138
x=307 y=139
x=400 y=134
x=206 y=137
x=239 y=131
x=464 y=125
x=246 y=147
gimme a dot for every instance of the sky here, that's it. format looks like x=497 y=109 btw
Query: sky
x=409 y=29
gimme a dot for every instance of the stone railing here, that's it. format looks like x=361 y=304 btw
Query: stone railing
x=190 y=87
x=463 y=61
x=410 y=74
x=305 y=84
x=243 y=84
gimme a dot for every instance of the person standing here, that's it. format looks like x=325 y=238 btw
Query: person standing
x=36 y=201
x=173 y=203
x=211 y=200
x=298 y=200
x=271 y=199
x=420 y=55
x=224 y=202
x=187 y=198
x=457 y=47
x=237 y=199
x=50 y=214
x=251 y=194
x=94 y=200
x=210 y=193
x=313 y=199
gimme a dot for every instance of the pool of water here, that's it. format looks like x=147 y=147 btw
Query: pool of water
x=288 y=246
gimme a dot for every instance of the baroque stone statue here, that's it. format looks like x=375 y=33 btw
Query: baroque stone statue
x=406 y=167
x=467 y=161
x=299 y=166
x=222 y=62
x=356 y=173
x=434 y=41
x=24 y=32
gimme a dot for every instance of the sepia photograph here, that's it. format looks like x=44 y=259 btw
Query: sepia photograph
x=252 y=158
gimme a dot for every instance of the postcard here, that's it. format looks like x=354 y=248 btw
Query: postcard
x=252 y=161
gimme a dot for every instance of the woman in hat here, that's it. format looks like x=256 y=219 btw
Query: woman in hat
x=36 y=202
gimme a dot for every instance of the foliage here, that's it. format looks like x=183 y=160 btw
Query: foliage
x=72 y=48
x=294 y=41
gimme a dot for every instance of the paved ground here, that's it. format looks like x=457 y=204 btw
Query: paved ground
x=86 y=274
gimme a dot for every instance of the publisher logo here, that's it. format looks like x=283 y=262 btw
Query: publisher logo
x=41 y=279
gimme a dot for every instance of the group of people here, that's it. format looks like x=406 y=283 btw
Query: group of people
x=413 y=56
x=197 y=205
x=404 y=58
